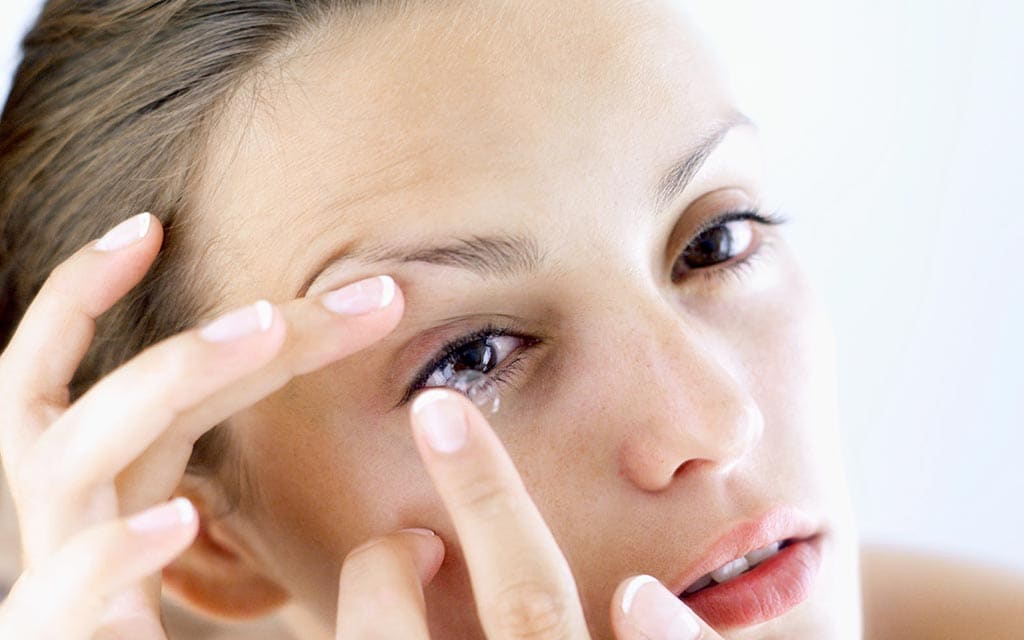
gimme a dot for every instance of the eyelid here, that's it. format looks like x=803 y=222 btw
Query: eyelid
x=752 y=213
x=509 y=327
x=747 y=210
x=501 y=325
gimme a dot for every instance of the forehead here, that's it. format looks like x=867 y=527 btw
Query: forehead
x=493 y=114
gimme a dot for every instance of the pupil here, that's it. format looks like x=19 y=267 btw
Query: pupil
x=477 y=356
x=710 y=248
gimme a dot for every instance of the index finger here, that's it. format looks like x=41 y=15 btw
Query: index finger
x=521 y=581
x=57 y=328
x=643 y=609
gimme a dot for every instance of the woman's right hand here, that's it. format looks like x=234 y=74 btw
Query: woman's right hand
x=77 y=470
x=522 y=584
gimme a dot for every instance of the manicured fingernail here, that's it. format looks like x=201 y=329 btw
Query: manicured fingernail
x=361 y=297
x=656 y=612
x=441 y=419
x=239 y=323
x=419 y=531
x=127 y=233
x=173 y=514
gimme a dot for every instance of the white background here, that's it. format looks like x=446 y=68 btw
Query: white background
x=895 y=140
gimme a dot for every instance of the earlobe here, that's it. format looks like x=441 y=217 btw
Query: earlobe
x=217 y=577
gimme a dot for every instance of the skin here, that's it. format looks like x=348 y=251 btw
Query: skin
x=685 y=407
x=910 y=593
x=646 y=418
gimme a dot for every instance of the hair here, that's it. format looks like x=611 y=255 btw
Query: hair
x=109 y=114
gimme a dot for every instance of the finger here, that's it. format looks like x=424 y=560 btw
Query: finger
x=521 y=581
x=316 y=337
x=58 y=326
x=65 y=596
x=179 y=388
x=380 y=592
x=643 y=609
x=121 y=414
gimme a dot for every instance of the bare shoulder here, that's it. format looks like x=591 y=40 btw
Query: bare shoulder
x=915 y=595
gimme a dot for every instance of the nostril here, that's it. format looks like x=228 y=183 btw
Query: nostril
x=691 y=466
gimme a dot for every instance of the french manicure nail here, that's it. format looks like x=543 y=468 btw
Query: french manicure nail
x=657 y=613
x=441 y=420
x=127 y=233
x=420 y=531
x=176 y=513
x=239 y=323
x=361 y=297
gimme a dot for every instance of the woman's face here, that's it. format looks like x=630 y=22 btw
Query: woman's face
x=537 y=172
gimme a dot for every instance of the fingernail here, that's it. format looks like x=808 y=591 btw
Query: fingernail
x=176 y=513
x=441 y=420
x=127 y=233
x=419 y=531
x=656 y=612
x=239 y=323
x=361 y=297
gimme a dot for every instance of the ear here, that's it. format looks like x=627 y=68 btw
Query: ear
x=218 y=575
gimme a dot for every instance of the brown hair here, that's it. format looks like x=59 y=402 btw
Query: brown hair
x=108 y=115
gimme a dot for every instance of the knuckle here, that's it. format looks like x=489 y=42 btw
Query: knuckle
x=171 y=365
x=50 y=475
x=27 y=477
x=168 y=360
x=485 y=498
x=531 y=610
x=63 y=285
x=21 y=485
x=57 y=280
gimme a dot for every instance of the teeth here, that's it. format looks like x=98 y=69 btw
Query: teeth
x=733 y=568
x=758 y=556
x=730 y=570
x=700 y=584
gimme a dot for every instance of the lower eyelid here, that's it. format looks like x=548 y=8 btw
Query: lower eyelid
x=735 y=268
x=738 y=268
x=506 y=373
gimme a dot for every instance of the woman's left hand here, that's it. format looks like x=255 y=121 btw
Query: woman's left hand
x=521 y=581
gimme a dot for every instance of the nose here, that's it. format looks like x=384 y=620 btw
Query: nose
x=687 y=408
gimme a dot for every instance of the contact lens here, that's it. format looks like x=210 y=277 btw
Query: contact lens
x=479 y=388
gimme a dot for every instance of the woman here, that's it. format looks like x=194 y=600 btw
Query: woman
x=561 y=196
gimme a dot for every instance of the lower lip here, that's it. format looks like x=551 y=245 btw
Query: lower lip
x=767 y=591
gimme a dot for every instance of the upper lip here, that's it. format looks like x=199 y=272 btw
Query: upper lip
x=778 y=524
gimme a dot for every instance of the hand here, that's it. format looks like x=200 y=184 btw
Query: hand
x=76 y=469
x=521 y=581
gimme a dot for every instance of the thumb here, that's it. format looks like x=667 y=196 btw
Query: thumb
x=380 y=590
x=643 y=609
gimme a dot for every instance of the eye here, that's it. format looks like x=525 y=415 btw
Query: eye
x=728 y=238
x=487 y=350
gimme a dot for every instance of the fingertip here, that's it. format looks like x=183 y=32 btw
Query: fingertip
x=171 y=515
x=643 y=608
x=439 y=417
x=628 y=589
x=429 y=554
x=164 y=531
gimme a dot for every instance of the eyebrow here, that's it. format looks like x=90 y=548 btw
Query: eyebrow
x=506 y=255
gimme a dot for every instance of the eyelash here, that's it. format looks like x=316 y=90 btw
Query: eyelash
x=506 y=370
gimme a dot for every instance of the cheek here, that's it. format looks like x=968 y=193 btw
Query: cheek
x=784 y=350
x=324 y=481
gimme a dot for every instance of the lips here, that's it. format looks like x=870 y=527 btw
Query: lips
x=769 y=589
